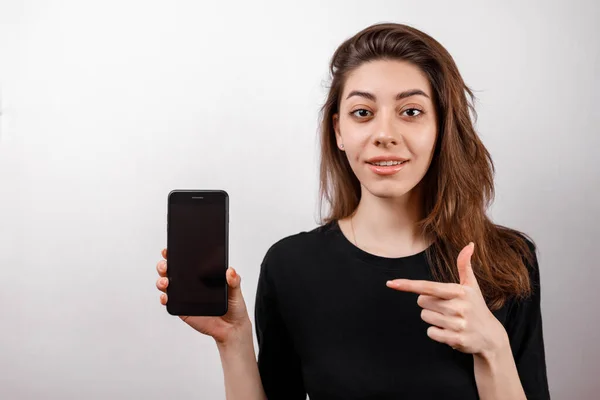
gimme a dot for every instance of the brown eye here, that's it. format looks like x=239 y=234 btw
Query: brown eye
x=412 y=112
x=361 y=113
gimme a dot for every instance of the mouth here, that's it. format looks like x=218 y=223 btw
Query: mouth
x=387 y=167
x=387 y=163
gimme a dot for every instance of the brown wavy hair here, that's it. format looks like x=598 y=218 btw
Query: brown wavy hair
x=459 y=185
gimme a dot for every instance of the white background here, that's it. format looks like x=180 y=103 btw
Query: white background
x=109 y=105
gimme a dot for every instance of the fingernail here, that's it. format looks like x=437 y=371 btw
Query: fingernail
x=164 y=281
x=390 y=283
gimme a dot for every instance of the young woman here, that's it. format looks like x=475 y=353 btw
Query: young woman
x=407 y=290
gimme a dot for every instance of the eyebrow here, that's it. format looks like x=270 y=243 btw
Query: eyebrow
x=399 y=96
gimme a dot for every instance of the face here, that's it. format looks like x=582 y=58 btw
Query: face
x=387 y=125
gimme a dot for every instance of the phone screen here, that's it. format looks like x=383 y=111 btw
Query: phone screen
x=197 y=247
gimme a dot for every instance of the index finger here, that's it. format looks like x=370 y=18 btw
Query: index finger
x=164 y=253
x=445 y=291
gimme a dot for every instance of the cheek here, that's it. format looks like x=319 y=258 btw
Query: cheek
x=423 y=144
x=355 y=138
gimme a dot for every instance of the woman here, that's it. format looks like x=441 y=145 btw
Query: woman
x=407 y=290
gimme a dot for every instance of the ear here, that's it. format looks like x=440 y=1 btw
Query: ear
x=336 y=128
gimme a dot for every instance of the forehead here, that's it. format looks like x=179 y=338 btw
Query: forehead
x=386 y=78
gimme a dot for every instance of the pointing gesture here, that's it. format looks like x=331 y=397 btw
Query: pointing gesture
x=458 y=313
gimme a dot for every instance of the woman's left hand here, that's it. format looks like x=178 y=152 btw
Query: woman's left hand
x=458 y=313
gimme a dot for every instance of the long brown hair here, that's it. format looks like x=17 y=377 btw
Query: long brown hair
x=459 y=185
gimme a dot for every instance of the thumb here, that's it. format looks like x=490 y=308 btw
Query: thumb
x=234 y=281
x=465 y=270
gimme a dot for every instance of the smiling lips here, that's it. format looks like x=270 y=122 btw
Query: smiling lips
x=386 y=165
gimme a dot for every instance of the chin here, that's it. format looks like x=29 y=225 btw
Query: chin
x=388 y=190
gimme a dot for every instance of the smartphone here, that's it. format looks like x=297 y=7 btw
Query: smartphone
x=197 y=252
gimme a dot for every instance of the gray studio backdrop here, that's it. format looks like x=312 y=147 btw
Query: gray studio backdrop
x=107 y=106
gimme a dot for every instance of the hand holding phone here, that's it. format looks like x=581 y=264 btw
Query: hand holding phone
x=199 y=287
x=234 y=324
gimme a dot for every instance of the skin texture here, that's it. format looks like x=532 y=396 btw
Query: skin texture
x=383 y=125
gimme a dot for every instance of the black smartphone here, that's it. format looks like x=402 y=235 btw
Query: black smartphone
x=197 y=252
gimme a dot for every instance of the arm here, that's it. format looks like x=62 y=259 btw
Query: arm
x=278 y=367
x=517 y=367
x=242 y=379
x=496 y=374
x=232 y=333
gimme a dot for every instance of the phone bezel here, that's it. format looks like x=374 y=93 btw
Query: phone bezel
x=193 y=196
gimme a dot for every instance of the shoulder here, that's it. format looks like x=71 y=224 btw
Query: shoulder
x=525 y=250
x=523 y=246
x=299 y=245
x=524 y=311
x=530 y=259
x=295 y=257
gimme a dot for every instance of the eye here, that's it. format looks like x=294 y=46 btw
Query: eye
x=412 y=112
x=361 y=113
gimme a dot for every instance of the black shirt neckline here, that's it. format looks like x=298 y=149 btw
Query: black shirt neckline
x=349 y=248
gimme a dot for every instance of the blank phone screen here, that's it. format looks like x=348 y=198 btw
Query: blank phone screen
x=197 y=249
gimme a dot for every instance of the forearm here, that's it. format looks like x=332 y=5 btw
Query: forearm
x=240 y=370
x=497 y=376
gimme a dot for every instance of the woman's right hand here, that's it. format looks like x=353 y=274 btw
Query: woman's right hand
x=234 y=325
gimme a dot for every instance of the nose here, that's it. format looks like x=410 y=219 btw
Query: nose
x=385 y=140
x=384 y=133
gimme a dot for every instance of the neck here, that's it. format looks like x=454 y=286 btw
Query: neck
x=387 y=226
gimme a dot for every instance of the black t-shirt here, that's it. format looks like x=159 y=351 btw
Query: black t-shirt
x=328 y=326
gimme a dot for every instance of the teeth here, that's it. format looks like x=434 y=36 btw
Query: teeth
x=387 y=163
